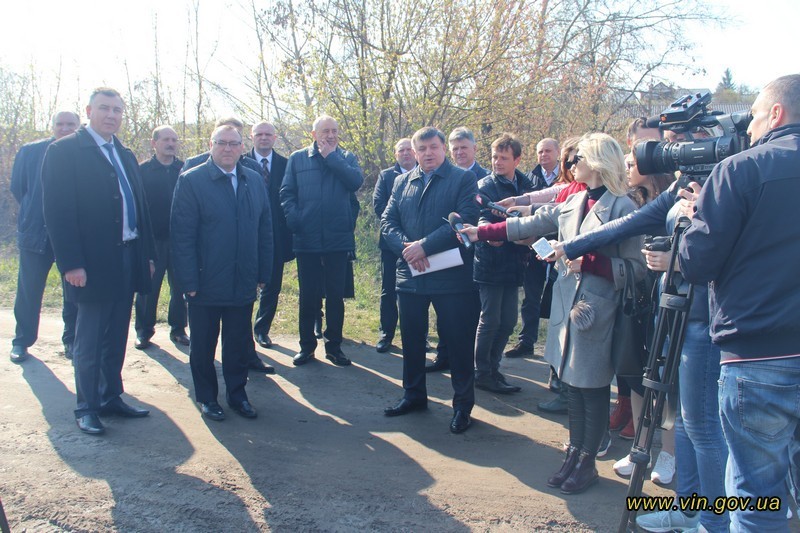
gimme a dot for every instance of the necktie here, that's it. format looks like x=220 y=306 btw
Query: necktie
x=125 y=186
x=232 y=177
x=265 y=166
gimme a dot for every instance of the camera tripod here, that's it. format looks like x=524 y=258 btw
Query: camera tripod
x=660 y=373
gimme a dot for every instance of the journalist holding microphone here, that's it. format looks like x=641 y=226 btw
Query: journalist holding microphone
x=585 y=297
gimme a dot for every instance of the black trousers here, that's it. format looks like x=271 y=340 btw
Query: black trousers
x=204 y=321
x=319 y=274
x=147 y=305
x=268 y=301
x=31 y=281
x=533 y=281
x=588 y=417
x=457 y=321
x=101 y=336
x=388 y=295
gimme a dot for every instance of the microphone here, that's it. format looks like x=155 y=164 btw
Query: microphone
x=454 y=219
x=484 y=201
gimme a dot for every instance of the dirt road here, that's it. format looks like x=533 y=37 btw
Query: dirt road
x=320 y=456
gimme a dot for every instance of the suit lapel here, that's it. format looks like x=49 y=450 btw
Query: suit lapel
x=599 y=214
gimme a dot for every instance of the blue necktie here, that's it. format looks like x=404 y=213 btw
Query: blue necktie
x=126 y=187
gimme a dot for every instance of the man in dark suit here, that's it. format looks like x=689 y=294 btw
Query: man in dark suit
x=221 y=240
x=316 y=197
x=159 y=176
x=35 y=252
x=273 y=167
x=254 y=363
x=415 y=227
x=94 y=208
x=404 y=155
x=463 y=149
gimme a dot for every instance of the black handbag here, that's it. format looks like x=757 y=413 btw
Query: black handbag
x=629 y=336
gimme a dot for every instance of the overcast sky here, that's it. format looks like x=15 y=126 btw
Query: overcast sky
x=759 y=43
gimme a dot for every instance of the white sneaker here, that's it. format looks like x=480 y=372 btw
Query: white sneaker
x=624 y=467
x=664 y=470
x=664 y=521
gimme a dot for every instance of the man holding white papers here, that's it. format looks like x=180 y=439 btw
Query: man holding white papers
x=415 y=226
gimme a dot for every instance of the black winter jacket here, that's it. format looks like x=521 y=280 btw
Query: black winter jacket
x=220 y=244
x=505 y=264
x=417 y=212
x=316 y=197
x=744 y=240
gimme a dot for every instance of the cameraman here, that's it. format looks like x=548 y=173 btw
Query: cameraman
x=700 y=448
x=742 y=224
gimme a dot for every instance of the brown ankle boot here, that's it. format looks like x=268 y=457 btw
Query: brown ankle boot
x=621 y=415
x=583 y=476
x=566 y=469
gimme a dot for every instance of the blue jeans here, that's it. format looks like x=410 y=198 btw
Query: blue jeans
x=700 y=449
x=760 y=407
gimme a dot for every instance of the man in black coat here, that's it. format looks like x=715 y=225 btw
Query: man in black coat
x=273 y=167
x=316 y=197
x=221 y=240
x=254 y=363
x=415 y=227
x=94 y=208
x=159 y=176
x=35 y=252
x=404 y=155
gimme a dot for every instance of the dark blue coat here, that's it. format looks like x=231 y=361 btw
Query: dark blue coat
x=26 y=186
x=744 y=240
x=417 y=212
x=316 y=197
x=83 y=211
x=505 y=264
x=221 y=244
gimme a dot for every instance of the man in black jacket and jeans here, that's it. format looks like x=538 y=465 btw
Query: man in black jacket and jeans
x=415 y=227
x=316 y=197
x=498 y=269
x=743 y=240
x=159 y=176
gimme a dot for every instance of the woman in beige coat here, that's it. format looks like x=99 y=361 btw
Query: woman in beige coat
x=585 y=297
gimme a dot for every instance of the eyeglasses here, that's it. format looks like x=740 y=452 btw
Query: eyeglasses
x=569 y=163
x=232 y=144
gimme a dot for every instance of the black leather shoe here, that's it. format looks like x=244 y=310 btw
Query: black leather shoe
x=244 y=409
x=68 y=350
x=567 y=467
x=212 y=410
x=383 y=345
x=263 y=340
x=337 y=357
x=404 y=407
x=19 y=354
x=438 y=365
x=120 y=408
x=256 y=365
x=583 y=476
x=460 y=423
x=302 y=358
x=318 y=327
x=90 y=424
x=179 y=337
x=494 y=385
x=520 y=350
x=502 y=379
x=142 y=343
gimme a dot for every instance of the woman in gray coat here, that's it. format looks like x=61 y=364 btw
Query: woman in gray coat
x=585 y=297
